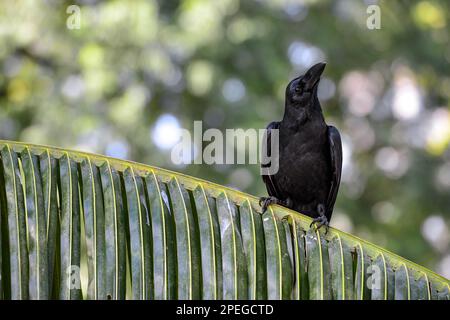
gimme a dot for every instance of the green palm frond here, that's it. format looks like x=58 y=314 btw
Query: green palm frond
x=77 y=225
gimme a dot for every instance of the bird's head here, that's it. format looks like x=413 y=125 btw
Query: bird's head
x=302 y=91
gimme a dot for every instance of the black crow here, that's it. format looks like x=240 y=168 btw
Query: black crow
x=310 y=153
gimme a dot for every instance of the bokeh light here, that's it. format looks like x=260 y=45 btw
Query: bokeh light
x=166 y=132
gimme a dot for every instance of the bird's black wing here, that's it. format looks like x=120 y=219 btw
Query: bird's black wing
x=270 y=180
x=334 y=139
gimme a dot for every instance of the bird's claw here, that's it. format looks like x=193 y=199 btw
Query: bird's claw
x=265 y=202
x=319 y=222
x=261 y=200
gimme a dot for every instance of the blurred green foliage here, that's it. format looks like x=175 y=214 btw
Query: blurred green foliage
x=136 y=71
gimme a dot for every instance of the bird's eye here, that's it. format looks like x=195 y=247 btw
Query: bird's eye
x=298 y=89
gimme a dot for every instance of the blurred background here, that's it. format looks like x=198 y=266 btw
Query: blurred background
x=136 y=72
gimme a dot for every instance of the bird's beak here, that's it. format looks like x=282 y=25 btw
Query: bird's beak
x=312 y=76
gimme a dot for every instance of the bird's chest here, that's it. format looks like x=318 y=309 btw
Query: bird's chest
x=303 y=159
x=304 y=163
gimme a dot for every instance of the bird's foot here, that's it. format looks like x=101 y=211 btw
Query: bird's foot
x=321 y=220
x=265 y=202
